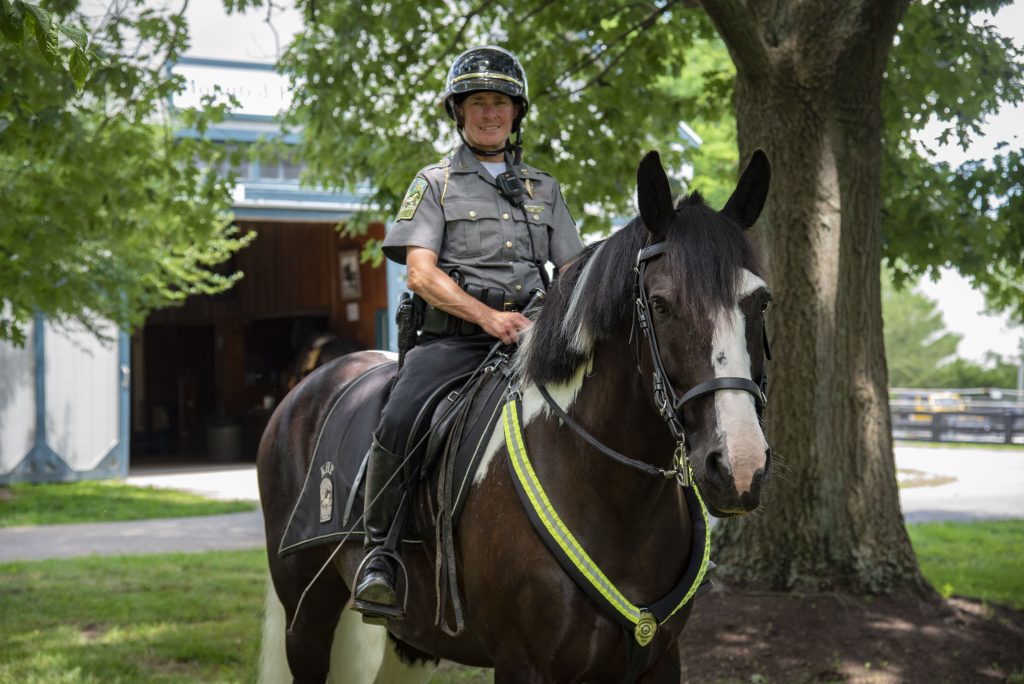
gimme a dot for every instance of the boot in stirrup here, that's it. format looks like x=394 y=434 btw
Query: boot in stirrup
x=374 y=594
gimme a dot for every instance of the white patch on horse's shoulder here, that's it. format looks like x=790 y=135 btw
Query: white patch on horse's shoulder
x=533 y=403
x=389 y=355
x=494 y=445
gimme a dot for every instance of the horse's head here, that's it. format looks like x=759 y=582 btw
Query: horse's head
x=700 y=289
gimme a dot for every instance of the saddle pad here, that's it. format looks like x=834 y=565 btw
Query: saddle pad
x=338 y=460
x=339 y=457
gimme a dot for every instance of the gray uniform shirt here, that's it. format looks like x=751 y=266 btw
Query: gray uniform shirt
x=454 y=209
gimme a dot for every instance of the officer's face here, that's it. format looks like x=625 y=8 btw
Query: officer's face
x=487 y=119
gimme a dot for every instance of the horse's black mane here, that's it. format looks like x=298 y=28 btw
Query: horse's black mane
x=706 y=249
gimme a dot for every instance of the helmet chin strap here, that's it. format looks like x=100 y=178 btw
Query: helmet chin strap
x=515 y=148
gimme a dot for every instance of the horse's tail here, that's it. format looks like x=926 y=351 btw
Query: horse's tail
x=273 y=660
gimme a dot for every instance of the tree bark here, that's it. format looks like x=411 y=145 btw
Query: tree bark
x=808 y=88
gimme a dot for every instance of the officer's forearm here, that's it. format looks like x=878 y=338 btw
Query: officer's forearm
x=438 y=289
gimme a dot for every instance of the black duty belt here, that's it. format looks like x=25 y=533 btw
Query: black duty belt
x=440 y=323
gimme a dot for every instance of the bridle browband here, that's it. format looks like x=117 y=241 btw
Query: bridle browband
x=666 y=398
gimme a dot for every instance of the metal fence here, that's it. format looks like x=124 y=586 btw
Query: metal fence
x=957 y=416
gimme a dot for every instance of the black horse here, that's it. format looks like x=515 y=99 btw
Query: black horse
x=644 y=360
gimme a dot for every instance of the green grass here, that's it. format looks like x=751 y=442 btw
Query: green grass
x=168 y=618
x=102 y=501
x=981 y=560
x=196 y=617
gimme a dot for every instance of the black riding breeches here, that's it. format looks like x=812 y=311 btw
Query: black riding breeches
x=427 y=366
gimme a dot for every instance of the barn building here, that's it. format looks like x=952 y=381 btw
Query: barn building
x=198 y=382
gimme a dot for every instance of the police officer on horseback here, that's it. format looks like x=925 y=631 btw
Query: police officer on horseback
x=475 y=231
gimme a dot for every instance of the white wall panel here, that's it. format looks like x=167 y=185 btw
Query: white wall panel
x=81 y=395
x=17 y=402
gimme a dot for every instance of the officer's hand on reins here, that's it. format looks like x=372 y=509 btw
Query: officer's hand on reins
x=505 y=325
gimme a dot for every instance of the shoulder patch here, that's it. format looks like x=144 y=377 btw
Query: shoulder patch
x=412 y=199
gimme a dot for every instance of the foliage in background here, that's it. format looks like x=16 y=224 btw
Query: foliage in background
x=106 y=215
x=950 y=65
x=917 y=343
x=368 y=80
x=920 y=352
x=102 y=501
x=610 y=81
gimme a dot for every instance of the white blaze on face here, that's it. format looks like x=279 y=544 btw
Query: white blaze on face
x=735 y=412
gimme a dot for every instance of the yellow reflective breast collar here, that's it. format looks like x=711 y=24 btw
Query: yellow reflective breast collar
x=643 y=621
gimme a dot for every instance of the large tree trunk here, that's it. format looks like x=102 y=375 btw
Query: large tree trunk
x=809 y=78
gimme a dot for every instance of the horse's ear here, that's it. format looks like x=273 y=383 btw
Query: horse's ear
x=653 y=194
x=748 y=198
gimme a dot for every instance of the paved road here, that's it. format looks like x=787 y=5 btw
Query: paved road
x=986 y=484
x=205 y=533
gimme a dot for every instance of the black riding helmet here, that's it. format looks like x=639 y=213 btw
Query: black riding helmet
x=487 y=67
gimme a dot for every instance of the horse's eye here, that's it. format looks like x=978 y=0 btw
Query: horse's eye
x=765 y=303
x=659 y=306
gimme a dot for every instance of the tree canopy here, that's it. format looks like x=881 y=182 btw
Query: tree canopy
x=609 y=82
x=106 y=214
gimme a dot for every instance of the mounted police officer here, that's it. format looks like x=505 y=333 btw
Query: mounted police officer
x=474 y=230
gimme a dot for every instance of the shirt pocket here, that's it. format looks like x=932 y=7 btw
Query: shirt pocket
x=467 y=224
x=538 y=221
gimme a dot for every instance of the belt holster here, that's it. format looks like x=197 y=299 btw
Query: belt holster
x=439 y=323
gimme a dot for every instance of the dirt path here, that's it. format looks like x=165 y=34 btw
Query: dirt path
x=737 y=636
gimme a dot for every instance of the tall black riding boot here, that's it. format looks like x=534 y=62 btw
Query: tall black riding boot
x=374 y=595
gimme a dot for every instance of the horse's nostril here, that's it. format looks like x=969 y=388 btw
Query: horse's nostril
x=767 y=462
x=718 y=468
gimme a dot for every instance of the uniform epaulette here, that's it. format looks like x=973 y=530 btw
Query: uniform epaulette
x=533 y=171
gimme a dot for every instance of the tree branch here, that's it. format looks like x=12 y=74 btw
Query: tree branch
x=737 y=28
x=640 y=26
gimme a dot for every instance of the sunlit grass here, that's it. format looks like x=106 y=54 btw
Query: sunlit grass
x=102 y=501
x=167 y=618
x=981 y=559
x=183 y=618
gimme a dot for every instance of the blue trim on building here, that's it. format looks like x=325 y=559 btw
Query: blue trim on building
x=39 y=347
x=225 y=63
x=43 y=464
x=124 y=373
x=396 y=286
x=243 y=135
x=288 y=214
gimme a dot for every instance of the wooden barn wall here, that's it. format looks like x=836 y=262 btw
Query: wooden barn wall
x=291 y=269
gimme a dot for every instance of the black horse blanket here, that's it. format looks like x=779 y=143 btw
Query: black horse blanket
x=455 y=425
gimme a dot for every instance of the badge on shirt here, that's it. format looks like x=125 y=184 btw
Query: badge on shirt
x=412 y=199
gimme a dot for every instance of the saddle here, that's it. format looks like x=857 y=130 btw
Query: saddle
x=446 y=444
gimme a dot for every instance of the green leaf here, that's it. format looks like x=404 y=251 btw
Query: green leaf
x=75 y=35
x=79 y=64
x=12 y=22
x=45 y=29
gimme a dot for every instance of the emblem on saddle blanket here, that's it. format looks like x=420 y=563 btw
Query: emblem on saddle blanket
x=326 y=492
